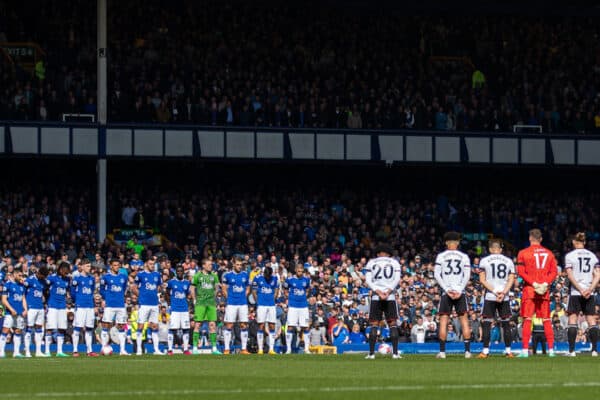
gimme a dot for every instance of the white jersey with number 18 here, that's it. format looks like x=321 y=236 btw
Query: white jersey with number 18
x=497 y=269
x=383 y=273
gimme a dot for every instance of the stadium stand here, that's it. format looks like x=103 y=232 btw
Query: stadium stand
x=294 y=65
x=331 y=231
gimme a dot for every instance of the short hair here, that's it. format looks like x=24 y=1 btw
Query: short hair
x=384 y=249
x=536 y=234
x=579 y=237
x=237 y=259
x=496 y=243
x=452 y=236
x=113 y=260
x=64 y=264
x=85 y=261
x=43 y=270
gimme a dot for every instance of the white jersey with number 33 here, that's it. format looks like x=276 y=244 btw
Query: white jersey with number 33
x=452 y=270
x=383 y=273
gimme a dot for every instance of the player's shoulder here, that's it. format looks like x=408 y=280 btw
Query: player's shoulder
x=443 y=253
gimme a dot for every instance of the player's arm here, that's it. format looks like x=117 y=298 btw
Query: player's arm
x=168 y=293
x=595 y=276
x=277 y=291
x=369 y=280
x=510 y=281
x=484 y=281
x=6 y=304
x=73 y=289
x=571 y=276
x=522 y=269
x=397 y=277
x=466 y=276
x=134 y=288
x=437 y=273
x=103 y=288
x=24 y=306
x=192 y=289
x=255 y=288
x=224 y=288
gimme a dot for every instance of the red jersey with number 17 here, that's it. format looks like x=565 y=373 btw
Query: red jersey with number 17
x=536 y=264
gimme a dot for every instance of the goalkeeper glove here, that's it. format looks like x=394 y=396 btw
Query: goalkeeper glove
x=540 y=288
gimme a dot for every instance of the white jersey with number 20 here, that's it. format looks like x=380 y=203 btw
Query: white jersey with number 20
x=383 y=273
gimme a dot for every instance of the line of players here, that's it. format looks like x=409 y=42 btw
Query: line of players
x=537 y=268
x=23 y=299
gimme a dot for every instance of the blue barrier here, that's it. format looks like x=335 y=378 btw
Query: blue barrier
x=454 y=348
x=405 y=348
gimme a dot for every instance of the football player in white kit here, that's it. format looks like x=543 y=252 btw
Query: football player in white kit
x=452 y=273
x=382 y=276
x=583 y=271
x=497 y=275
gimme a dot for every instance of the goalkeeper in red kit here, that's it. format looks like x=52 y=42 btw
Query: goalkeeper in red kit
x=536 y=265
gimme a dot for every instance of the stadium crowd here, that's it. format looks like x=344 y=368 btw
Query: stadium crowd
x=297 y=66
x=332 y=236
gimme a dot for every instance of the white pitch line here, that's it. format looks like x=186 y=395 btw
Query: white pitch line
x=397 y=388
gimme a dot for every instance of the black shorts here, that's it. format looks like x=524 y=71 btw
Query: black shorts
x=379 y=308
x=459 y=305
x=491 y=307
x=578 y=304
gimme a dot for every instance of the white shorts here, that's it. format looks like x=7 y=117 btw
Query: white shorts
x=266 y=314
x=236 y=314
x=298 y=317
x=35 y=317
x=84 y=318
x=56 y=319
x=17 y=322
x=148 y=314
x=115 y=314
x=180 y=320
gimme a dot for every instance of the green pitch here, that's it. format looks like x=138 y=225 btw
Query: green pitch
x=298 y=377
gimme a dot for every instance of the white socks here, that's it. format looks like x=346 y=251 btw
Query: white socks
x=244 y=337
x=260 y=339
x=60 y=339
x=288 y=341
x=75 y=341
x=186 y=341
x=104 y=337
x=227 y=338
x=88 y=340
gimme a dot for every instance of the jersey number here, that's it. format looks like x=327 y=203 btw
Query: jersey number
x=540 y=260
x=387 y=271
x=586 y=261
x=456 y=270
x=499 y=271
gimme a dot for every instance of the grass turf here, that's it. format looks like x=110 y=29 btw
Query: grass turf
x=298 y=377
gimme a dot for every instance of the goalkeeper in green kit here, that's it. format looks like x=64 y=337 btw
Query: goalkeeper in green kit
x=206 y=283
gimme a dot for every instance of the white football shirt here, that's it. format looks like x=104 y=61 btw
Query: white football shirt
x=497 y=268
x=452 y=270
x=582 y=262
x=383 y=273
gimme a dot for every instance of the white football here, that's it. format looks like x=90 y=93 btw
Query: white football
x=384 y=348
x=107 y=350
